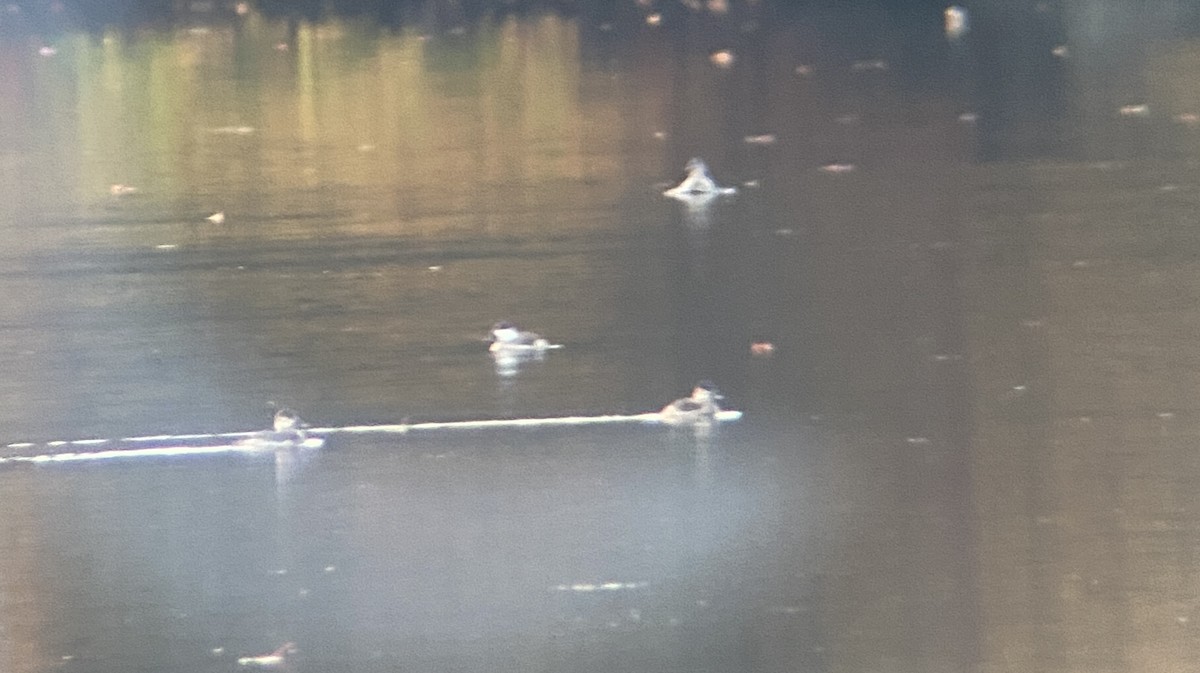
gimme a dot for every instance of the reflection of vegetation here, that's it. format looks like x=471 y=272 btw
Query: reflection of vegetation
x=41 y=16
x=202 y=118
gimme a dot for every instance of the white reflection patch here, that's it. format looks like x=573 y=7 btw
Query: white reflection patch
x=606 y=586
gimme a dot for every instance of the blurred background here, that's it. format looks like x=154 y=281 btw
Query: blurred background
x=967 y=233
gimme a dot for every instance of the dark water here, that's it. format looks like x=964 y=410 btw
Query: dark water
x=974 y=448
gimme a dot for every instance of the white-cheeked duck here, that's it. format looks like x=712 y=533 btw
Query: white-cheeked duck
x=700 y=408
x=507 y=337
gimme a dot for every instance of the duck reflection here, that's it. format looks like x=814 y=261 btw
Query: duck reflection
x=698 y=211
x=509 y=363
x=289 y=463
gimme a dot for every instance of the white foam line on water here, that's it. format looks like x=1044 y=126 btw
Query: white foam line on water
x=727 y=415
x=156 y=452
x=312 y=442
x=492 y=423
x=162 y=452
x=176 y=438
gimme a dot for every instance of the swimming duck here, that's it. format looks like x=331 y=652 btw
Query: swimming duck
x=273 y=660
x=287 y=420
x=698 y=183
x=698 y=409
x=506 y=336
x=287 y=431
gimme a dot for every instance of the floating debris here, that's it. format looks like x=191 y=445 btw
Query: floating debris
x=968 y=117
x=1188 y=118
x=1138 y=110
x=660 y=135
x=864 y=66
x=654 y=19
x=957 y=22
x=761 y=139
x=723 y=58
x=47 y=51
x=122 y=190
x=837 y=168
x=234 y=130
x=582 y=587
x=165 y=246
x=762 y=349
x=1061 y=51
x=217 y=217
x=718 y=6
x=804 y=70
x=848 y=119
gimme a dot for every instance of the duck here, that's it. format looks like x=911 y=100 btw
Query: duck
x=700 y=408
x=287 y=431
x=698 y=184
x=507 y=337
x=273 y=660
x=286 y=420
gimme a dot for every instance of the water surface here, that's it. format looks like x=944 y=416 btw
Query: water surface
x=973 y=449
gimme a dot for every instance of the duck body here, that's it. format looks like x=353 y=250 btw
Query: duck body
x=286 y=420
x=507 y=337
x=699 y=184
x=700 y=408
